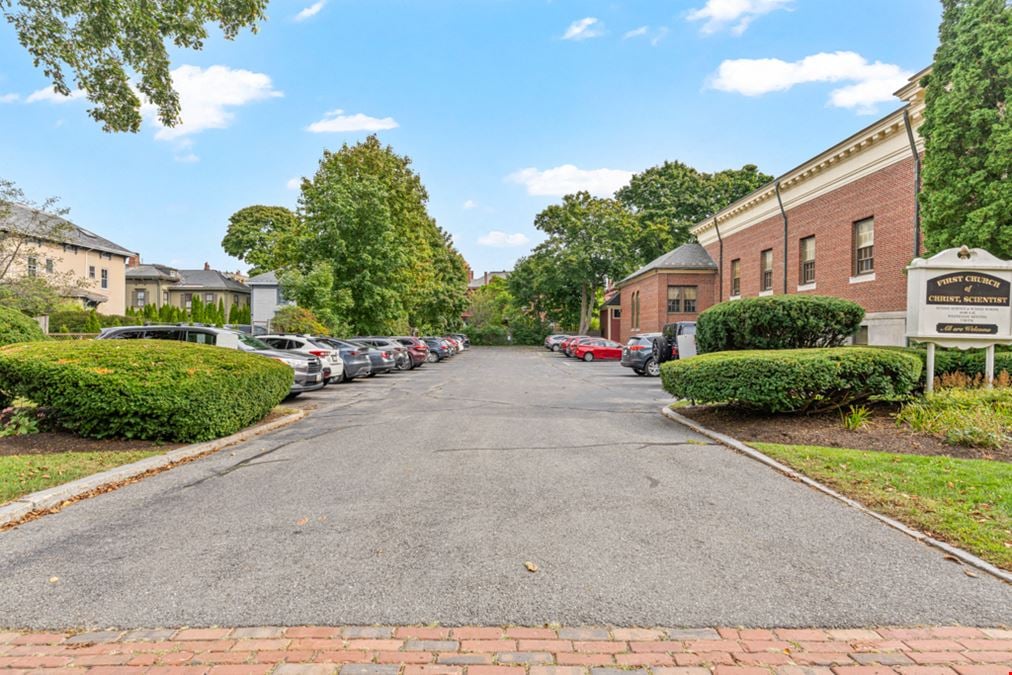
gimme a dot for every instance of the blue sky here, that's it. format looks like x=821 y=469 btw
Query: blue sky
x=502 y=104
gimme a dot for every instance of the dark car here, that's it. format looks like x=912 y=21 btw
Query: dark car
x=417 y=349
x=402 y=360
x=382 y=360
x=439 y=349
x=638 y=354
x=307 y=371
x=553 y=343
x=665 y=347
x=356 y=362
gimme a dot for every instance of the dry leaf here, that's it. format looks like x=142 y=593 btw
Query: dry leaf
x=301 y=521
x=950 y=557
x=53 y=580
x=531 y=567
x=970 y=574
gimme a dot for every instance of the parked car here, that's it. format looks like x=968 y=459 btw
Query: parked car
x=307 y=370
x=417 y=349
x=333 y=365
x=402 y=360
x=465 y=342
x=598 y=349
x=382 y=360
x=569 y=346
x=638 y=354
x=455 y=344
x=665 y=347
x=439 y=349
x=554 y=342
x=356 y=362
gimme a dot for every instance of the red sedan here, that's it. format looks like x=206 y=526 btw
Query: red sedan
x=600 y=350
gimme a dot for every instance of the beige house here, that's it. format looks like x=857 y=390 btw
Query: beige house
x=151 y=284
x=91 y=269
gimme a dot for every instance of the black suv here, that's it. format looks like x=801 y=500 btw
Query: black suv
x=638 y=354
x=665 y=347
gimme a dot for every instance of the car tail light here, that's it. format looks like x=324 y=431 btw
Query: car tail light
x=319 y=352
x=636 y=348
x=353 y=353
x=386 y=355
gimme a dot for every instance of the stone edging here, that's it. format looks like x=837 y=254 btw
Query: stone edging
x=50 y=498
x=963 y=556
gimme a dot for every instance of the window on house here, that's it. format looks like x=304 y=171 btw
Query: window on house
x=235 y=299
x=91 y=271
x=864 y=246
x=860 y=336
x=208 y=298
x=736 y=276
x=105 y=278
x=105 y=256
x=616 y=313
x=188 y=301
x=766 y=266
x=807 y=248
x=140 y=298
x=681 y=299
x=281 y=296
x=50 y=265
x=33 y=266
x=165 y=297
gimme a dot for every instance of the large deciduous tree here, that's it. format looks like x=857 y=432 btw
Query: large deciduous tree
x=116 y=51
x=672 y=197
x=266 y=237
x=967 y=195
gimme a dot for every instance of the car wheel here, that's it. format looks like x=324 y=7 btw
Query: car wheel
x=588 y=357
x=555 y=348
x=651 y=368
x=432 y=357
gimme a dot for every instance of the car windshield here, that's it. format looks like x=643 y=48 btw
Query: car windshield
x=689 y=329
x=248 y=342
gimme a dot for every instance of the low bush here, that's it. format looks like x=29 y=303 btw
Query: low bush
x=16 y=327
x=796 y=380
x=77 y=321
x=144 y=389
x=487 y=335
x=777 y=322
x=979 y=418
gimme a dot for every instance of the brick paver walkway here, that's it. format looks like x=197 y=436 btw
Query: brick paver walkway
x=512 y=651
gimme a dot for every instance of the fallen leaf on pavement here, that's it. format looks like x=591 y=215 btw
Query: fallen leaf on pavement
x=970 y=574
x=53 y=580
x=301 y=521
x=531 y=567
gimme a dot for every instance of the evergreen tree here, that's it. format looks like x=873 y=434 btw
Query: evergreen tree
x=196 y=309
x=219 y=314
x=92 y=325
x=967 y=191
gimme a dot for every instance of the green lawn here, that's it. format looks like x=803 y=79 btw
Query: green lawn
x=966 y=502
x=21 y=474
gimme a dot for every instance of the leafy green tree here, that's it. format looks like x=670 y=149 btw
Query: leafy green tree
x=299 y=320
x=675 y=196
x=116 y=51
x=266 y=237
x=967 y=190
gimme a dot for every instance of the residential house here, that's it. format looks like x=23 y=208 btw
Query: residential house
x=160 y=285
x=843 y=223
x=88 y=268
x=266 y=300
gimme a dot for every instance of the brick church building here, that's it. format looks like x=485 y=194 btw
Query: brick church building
x=843 y=223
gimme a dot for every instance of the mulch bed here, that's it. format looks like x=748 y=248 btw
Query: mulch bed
x=49 y=442
x=826 y=429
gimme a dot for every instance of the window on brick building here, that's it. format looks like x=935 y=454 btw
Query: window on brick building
x=33 y=266
x=736 y=276
x=807 y=273
x=636 y=310
x=864 y=246
x=681 y=299
x=766 y=269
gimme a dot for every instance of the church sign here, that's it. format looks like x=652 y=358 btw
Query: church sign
x=960 y=298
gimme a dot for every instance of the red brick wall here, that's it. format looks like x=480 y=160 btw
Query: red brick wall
x=653 y=291
x=886 y=195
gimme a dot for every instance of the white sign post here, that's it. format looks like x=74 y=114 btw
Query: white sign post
x=960 y=298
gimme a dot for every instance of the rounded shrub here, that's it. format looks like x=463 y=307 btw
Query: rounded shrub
x=16 y=327
x=144 y=389
x=794 y=380
x=777 y=322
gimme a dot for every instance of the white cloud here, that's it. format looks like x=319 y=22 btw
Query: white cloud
x=310 y=11
x=502 y=239
x=567 y=179
x=872 y=83
x=659 y=37
x=636 y=32
x=336 y=121
x=584 y=29
x=470 y=204
x=206 y=94
x=720 y=13
x=49 y=95
x=294 y=183
x=10 y=98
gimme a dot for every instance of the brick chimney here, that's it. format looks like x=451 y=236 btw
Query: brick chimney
x=133 y=261
x=486 y=278
x=207 y=267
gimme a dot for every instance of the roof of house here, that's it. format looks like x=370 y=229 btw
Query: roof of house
x=478 y=282
x=152 y=272
x=689 y=256
x=209 y=279
x=55 y=228
x=265 y=279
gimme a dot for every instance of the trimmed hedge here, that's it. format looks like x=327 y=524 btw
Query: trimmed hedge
x=796 y=380
x=144 y=389
x=76 y=320
x=16 y=327
x=777 y=322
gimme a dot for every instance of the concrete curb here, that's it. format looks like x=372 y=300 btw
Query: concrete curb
x=733 y=443
x=54 y=496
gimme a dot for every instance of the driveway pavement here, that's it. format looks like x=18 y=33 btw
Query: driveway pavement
x=418 y=497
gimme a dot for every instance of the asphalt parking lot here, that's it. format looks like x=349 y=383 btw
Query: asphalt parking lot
x=419 y=497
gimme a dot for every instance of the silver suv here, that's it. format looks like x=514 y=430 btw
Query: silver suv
x=307 y=370
x=333 y=366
